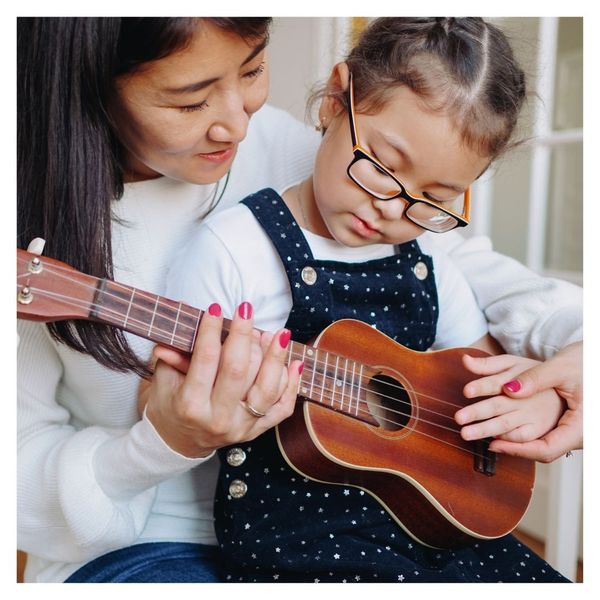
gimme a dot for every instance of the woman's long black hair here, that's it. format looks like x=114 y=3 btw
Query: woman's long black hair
x=69 y=158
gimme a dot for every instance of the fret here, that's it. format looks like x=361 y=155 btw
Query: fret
x=176 y=324
x=187 y=327
x=314 y=353
x=360 y=387
x=140 y=311
x=352 y=386
x=129 y=307
x=335 y=381
x=344 y=385
x=324 y=377
x=305 y=371
x=195 y=333
x=153 y=317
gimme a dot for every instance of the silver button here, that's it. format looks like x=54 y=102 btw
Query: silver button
x=309 y=275
x=420 y=270
x=235 y=457
x=238 y=488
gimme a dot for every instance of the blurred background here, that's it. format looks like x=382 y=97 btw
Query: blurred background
x=530 y=203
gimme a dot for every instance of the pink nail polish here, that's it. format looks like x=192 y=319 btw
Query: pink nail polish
x=301 y=368
x=284 y=338
x=214 y=310
x=513 y=386
x=245 y=310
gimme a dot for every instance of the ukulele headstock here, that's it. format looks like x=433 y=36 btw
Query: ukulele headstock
x=49 y=290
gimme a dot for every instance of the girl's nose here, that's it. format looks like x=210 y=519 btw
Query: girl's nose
x=390 y=209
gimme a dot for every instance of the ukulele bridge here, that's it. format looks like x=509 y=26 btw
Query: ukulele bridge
x=484 y=458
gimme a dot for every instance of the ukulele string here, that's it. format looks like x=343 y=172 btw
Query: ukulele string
x=183 y=340
x=362 y=411
x=170 y=334
x=83 y=304
x=326 y=376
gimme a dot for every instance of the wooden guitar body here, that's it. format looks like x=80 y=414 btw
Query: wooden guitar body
x=438 y=487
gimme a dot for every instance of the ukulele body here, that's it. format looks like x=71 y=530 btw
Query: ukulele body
x=398 y=441
x=444 y=491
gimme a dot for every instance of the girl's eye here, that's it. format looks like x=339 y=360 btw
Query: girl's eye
x=255 y=72
x=194 y=107
x=437 y=200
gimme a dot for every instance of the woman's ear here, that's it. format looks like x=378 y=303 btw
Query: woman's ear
x=336 y=86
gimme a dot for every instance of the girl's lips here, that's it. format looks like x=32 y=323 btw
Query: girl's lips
x=362 y=228
x=219 y=156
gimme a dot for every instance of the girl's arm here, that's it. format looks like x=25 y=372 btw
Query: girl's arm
x=529 y=315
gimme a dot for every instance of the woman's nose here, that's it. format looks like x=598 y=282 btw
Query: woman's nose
x=231 y=124
x=391 y=209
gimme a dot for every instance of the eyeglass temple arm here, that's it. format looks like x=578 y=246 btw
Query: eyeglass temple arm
x=355 y=143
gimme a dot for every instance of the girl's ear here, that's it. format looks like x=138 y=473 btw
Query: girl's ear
x=336 y=85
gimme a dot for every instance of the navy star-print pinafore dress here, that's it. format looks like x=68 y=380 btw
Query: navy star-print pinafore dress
x=273 y=524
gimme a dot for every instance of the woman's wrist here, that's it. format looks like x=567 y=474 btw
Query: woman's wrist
x=175 y=439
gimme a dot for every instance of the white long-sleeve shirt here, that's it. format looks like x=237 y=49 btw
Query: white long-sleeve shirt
x=92 y=475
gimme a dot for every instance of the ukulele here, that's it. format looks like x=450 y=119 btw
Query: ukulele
x=370 y=412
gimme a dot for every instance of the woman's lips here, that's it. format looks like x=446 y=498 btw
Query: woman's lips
x=362 y=228
x=217 y=157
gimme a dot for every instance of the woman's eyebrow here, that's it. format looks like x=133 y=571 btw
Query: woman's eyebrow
x=199 y=85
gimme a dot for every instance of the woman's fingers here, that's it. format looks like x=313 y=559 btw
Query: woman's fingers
x=206 y=353
x=499 y=370
x=240 y=360
x=272 y=376
x=287 y=400
x=174 y=359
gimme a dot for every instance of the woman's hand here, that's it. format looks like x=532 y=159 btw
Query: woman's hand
x=562 y=374
x=216 y=397
x=502 y=417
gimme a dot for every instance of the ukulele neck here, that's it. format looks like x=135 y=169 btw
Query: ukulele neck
x=330 y=380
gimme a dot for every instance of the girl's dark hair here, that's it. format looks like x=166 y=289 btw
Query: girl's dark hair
x=461 y=65
x=69 y=158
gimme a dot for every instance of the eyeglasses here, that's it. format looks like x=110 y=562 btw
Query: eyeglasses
x=369 y=174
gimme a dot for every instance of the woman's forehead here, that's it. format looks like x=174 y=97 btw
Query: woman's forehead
x=211 y=54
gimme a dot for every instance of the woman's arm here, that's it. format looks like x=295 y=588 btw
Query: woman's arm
x=82 y=491
x=529 y=315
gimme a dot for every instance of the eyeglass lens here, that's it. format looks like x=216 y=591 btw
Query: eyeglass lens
x=379 y=184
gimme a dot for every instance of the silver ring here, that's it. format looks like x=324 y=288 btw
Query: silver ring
x=253 y=411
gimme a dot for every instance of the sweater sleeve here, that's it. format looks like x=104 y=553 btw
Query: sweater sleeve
x=81 y=491
x=528 y=314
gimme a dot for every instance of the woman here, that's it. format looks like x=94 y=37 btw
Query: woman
x=137 y=126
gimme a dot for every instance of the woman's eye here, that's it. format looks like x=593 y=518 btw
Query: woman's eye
x=255 y=72
x=194 y=107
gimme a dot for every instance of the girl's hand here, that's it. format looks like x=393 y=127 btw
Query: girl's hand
x=564 y=373
x=509 y=420
x=215 y=397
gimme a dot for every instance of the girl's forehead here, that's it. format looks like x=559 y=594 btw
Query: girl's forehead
x=424 y=138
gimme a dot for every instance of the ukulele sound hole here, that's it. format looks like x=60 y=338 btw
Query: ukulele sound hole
x=388 y=402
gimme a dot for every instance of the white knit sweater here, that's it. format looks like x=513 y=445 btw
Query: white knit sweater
x=92 y=475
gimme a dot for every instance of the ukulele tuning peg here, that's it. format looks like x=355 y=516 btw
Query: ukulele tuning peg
x=36 y=246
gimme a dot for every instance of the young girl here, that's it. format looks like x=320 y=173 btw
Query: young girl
x=414 y=115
